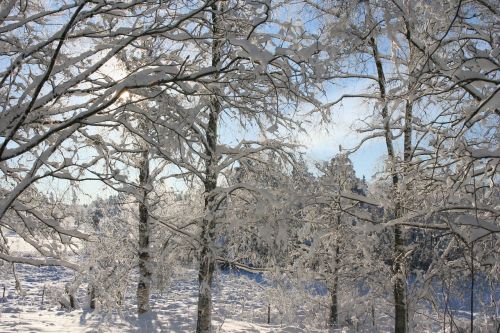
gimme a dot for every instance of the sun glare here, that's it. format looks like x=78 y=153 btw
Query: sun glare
x=124 y=95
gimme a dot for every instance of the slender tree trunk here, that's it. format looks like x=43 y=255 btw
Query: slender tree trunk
x=472 y=280
x=144 y=284
x=400 y=301
x=334 y=307
x=92 y=292
x=207 y=258
x=92 y=297
x=399 y=284
x=400 y=313
x=205 y=278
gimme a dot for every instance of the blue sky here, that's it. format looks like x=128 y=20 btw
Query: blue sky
x=320 y=140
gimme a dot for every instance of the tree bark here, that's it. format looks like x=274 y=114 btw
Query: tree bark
x=399 y=284
x=400 y=313
x=334 y=307
x=207 y=258
x=92 y=292
x=144 y=284
x=92 y=297
x=205 y=278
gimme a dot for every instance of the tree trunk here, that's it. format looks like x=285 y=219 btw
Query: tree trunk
x=144 y=284
x=334 y=307
x=207 y=258
x=407 y=157
x=92 y=296
x=334 y=314
x=92 y=291
x=399 y=284
x=400 y=313
x=207 y=266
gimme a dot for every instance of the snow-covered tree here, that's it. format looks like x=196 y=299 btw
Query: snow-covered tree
x=57 y=81
x=418 y=66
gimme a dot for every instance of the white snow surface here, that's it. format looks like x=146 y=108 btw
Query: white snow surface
x=240 y=304
x=237 y=304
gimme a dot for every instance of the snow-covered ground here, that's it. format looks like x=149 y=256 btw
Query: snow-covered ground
x=241 y=304
x=238 y=306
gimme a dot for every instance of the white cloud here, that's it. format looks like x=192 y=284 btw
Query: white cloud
x=322 y=139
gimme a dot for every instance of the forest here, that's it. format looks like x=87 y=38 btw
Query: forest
x=158 y=174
